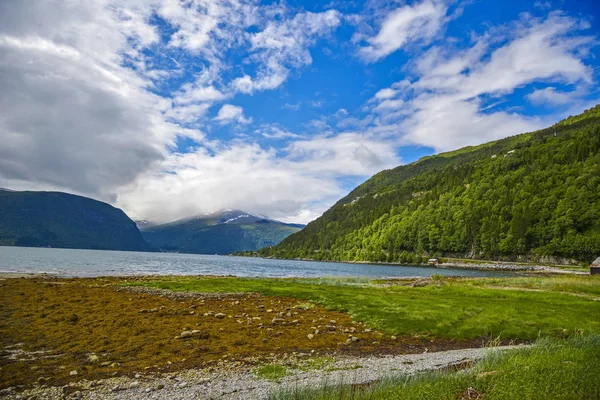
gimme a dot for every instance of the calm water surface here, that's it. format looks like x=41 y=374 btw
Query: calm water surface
x=89 y=263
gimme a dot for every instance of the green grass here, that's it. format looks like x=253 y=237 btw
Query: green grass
x=575 y=284
x=271 y=372
x=449 y=308
x=552 y=369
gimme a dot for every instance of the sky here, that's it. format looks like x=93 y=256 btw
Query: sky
x=174 y=108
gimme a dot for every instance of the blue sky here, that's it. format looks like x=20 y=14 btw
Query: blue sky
x=171 y=108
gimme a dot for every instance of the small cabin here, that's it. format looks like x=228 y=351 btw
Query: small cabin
x=433 y=261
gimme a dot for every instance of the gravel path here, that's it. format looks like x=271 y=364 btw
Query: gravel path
x=244 y=384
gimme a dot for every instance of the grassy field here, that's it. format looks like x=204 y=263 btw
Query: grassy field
x=509 y=308
x=552 y=369
x=107 y=327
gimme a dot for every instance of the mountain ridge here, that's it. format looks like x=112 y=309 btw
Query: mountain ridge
x=221 y=232
x=58 y=219
x=532 y=195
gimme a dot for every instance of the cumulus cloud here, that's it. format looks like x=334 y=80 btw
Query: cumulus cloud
x=283 y=44
x=552 y=96
x=230 y=113
x=409 y=23
x=295 y=186
x=448 y=106
x=76 y=118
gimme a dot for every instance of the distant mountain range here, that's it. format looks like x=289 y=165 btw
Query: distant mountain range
x=55 y=219
x=222 y=232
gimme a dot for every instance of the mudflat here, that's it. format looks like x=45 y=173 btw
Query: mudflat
x=55 y=331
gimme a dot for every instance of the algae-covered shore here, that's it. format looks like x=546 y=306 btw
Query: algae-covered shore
x=66 y=333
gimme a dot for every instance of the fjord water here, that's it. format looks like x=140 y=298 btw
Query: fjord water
x=91 y=263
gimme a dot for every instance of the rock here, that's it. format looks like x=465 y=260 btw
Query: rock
x=261 y=306
x=200 y=334
x=220 y=315
x=134 y=384
x=393 y=337
x=355 y=339
x=420 y=283
x=333 y=322
x=185 y=334
x=93 y=359
x=160 y=386
x=277 y=321
x=269 y=310
x=330 y=328
x=310 y=336
x=73 y=373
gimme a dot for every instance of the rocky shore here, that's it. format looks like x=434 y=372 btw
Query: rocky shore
x=245 y=383
x=60 y=335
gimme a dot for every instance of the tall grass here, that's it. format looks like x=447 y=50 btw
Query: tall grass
x=552 y=369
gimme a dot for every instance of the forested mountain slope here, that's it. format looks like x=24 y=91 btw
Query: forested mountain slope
x=223 y=232
x=535 y=194
x=55 y=219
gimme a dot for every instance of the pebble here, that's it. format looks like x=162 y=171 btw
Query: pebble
x=93 y=359
x=73 y=373
x=185 y=334
x=220 y=315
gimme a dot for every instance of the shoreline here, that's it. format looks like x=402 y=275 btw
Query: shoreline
x=480 y=265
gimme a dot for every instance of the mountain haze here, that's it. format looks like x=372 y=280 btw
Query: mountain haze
x=223 y=232
x=531 y=195
x=55 y=219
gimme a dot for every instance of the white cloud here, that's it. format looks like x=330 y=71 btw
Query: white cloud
x=239 y=176
x=230 y=113
x=296 y=186
x=77 y=119
x=419 y=22
x=89 y=112
x=274 y=132
x=191 y=93
x=283 y=44
x=451 y=104
x=552 y=96
x=385 y=93
x=345 y=154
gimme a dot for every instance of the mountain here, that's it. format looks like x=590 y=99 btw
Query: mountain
x=55 y=219
x=530 y=196
x=223 y=232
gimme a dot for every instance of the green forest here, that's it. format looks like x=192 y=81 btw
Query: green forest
x=528 y=196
